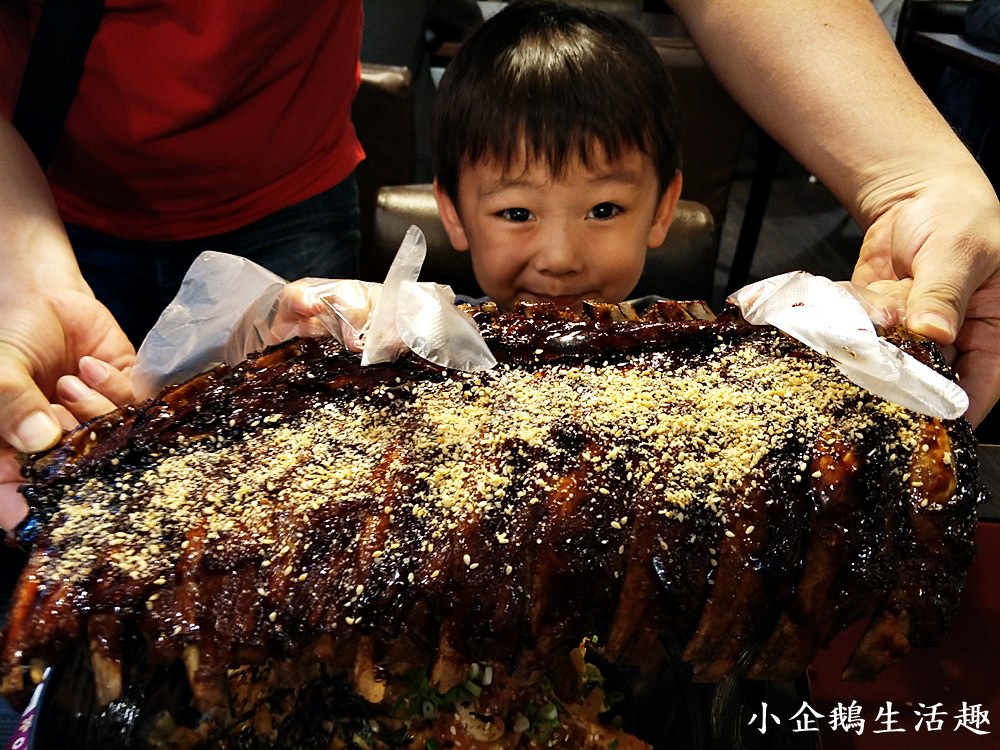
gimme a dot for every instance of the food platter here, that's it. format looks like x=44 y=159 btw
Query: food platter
x=674 y=507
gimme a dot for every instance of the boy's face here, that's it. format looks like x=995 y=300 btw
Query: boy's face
x=582 y=235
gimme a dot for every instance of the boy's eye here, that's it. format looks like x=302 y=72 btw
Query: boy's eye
x=604 y=211
x=516 y=214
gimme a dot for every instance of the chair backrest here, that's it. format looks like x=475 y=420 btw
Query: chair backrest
x=384 y=120
x=713 y=126
x=946 y=16
x=683 y=267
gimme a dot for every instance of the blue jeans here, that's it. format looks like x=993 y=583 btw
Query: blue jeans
x=136 y=279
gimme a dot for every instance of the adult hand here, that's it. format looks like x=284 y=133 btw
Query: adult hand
x=42 y=340
x=63 y=359
x=321 y=307
x=837 y=95
x=307 y=307
x=938 y=247
x=49 y=321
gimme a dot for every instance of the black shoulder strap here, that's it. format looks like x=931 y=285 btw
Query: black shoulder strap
x=53 y=71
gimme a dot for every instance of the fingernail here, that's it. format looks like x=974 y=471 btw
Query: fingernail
x=93 y=370
x=74 y=388
x=36 y=432
x=931 y=320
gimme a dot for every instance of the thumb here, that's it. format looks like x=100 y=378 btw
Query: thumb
x=27 y=420
x=936 y=305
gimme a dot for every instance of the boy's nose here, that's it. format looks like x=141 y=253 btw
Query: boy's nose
x=558 y=253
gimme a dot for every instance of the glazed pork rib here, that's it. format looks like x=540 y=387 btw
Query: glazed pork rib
x=614 y=478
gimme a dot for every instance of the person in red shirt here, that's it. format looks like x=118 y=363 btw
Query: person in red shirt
x=209 y=126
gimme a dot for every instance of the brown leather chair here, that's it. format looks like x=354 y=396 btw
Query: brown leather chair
x=683 y=267
x=384 y=120
x=946 y=16
x=713 y=126
x=939 y=16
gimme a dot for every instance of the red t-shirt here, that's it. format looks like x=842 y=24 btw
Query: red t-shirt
x=195 y=117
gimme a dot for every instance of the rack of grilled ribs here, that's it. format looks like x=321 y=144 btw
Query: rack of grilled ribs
x=619 y=478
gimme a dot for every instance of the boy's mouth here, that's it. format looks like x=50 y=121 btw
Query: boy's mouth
x=573 y=301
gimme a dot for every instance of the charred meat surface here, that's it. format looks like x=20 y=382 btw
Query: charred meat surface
x=616 y=481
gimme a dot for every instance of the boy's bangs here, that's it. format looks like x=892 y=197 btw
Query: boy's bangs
x=547 y=126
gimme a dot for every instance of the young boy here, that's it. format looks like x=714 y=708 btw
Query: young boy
x=556 y=153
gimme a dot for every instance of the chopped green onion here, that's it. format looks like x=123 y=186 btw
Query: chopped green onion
x=473 y=688
x=428 y=710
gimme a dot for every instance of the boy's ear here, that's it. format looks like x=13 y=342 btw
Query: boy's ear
x=664 y=213
x=450 y=218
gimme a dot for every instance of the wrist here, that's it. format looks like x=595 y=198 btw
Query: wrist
x=38 y=257
x=941 y=178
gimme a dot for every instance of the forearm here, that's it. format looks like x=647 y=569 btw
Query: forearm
x=34 y=249
x=824 y=78
x=48 y=315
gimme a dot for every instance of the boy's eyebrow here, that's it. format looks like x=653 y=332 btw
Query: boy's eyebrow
x=616 y=174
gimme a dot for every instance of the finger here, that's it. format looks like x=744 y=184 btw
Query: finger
x=27 y=420
x=65 y=417
x=300 y=299
x=10 y=467
x=884 y=301
x=898 y=290
x=979 y=383
x=12 y=505
x=13 y=508
x=978 y=363
x=875 y=256
x=112 y=383
x=82 y=401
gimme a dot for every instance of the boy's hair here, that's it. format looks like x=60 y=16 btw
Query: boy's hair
x=555 y=79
